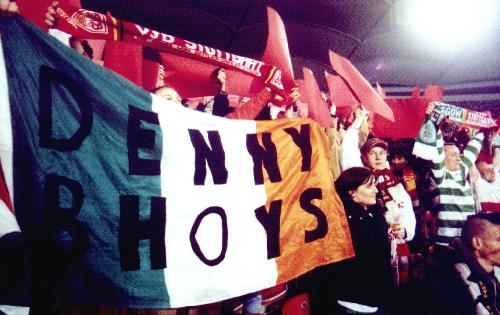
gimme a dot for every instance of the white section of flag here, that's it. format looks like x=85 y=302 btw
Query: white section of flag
x=245 y=267
x=8 y=223
x=5 y=127
x=14 y=310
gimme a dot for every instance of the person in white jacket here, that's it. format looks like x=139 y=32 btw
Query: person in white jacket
x=399 y=215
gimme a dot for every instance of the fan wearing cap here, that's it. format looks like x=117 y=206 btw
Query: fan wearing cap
x=373 y=154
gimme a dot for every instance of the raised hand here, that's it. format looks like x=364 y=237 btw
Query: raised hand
x=51 y=15
x=8 y=8
x=430 y=108
x=294 y=94
x=221 y=77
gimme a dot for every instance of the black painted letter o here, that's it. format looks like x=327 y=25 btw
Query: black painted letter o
x=196 y=246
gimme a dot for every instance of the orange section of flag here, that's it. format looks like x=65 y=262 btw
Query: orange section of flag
x=296 y=256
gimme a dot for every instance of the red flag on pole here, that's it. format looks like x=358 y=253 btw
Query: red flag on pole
x=362 y=89
x=277 y=52
x=340 y=95
x=317 y=108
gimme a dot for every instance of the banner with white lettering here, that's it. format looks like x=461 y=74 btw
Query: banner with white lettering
x=126 y=199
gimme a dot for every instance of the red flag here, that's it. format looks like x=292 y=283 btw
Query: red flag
x=191 y=78
x=276 y=52
x=434 y=93
x=125 y=59
x=363 y=90
x=409 y=113
x=317 y=108
x=151 y=63
x=340 y=95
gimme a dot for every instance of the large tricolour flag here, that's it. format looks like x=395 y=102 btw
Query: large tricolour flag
x=126 y=199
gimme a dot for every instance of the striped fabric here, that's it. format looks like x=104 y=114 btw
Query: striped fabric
x=149 y=204
x=456 y=202
x=488 y=194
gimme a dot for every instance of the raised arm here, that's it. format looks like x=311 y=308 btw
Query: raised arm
x=8 y=8
x=438 y=157
x=252 y=108
x=471 y=151
x=221 y=102
x=51 y=15
x=350 y=156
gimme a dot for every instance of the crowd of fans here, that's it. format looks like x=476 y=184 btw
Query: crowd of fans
x=426 y=233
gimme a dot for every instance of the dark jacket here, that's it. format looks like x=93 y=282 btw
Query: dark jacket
x=366 y=278
x=460 y=286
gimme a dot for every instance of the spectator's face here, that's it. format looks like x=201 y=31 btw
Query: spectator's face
x=487 y=171
x=366 y=194
x=489 y=249
x=398 y=162
x=169 y=94
x=376 y=158
x=451 y=157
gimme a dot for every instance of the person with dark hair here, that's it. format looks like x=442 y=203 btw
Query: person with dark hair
x=362 y=284
x=373 y=154
x=392 y=195
x=469 y=283
x=401 y=166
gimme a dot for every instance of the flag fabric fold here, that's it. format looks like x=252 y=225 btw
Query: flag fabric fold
x=360 y=86
x=339 y=92
x=128 y=200
x=311 y=94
